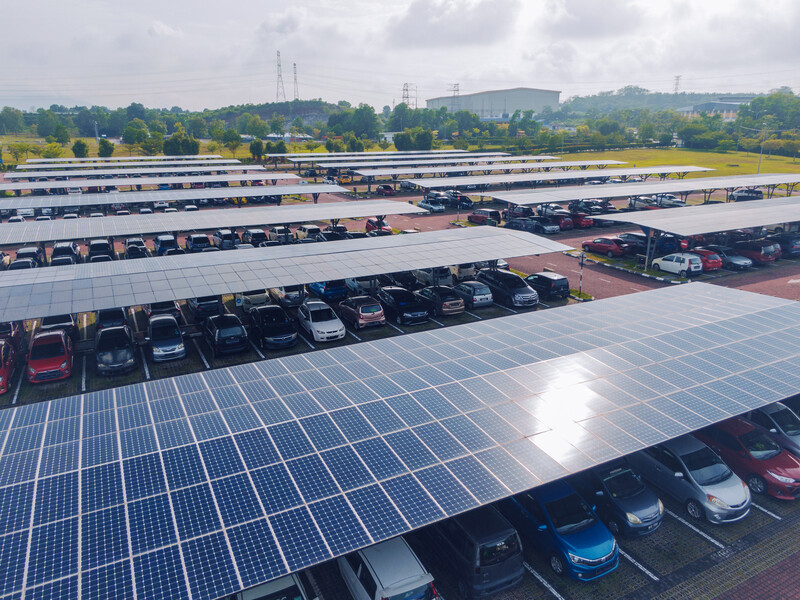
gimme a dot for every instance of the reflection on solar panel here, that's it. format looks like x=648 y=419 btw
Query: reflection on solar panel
x=87 y=287
x=710 y=218
x=647 y=188
x=149 y=197
x=460 y=182
x=96 y=173
x=120 y=158
x=438 y=160
x=79 y=229
x=139 y=181
x=515 y=166
x=115 y=165
x=324 y=160
x=99 y=493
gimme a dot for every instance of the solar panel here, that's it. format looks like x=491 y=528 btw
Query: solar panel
x=455 y=159
x=133 y=163
x=129 y=225
x=136 y=172
x=461 y=182
x=324 y=159
x=507 y=166
x=181 y=158
x=148 y=197
x=88 y=287
x=380 y=153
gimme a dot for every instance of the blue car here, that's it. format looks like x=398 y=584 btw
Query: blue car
x=329 y=291
x=560 y=524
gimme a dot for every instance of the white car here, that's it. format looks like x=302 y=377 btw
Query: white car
x=431 y=205
x=329 y=180
x=682 y=264
x=546 y=210
x=319 y=321
x=160 y=205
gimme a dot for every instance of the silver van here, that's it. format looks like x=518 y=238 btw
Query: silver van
x=434 y=276
x=693 y=474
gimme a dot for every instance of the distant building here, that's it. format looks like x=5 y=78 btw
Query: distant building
x=498 y=104
x=727 y=108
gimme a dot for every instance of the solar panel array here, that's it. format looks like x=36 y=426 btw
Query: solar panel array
x=349 y=154
x=450 y=160
x=458 y=182
x=324 y=160
x=141 y=181
x=515 y=166
x=128 y=225
x=152 y=196
x=646 y=188
x=711 y=218
x=33 y=293
x=210 y=483
x=135 y=163
x=135 y=172
x=120 y=158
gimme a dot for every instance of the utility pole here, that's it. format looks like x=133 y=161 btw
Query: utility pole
x=296 y=92
x=455 y=102
x=280 y=93
x=763 y=139
x=677 y=84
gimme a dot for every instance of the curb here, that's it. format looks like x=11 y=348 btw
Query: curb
x=624 y=270
x=581 y=299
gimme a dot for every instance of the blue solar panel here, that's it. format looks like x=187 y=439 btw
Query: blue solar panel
x=377 y=512
x=143 y=477
x=64 y=589
x=12 y=557
x=439 y=441
x=17 y=468
x=353 y=424
x=339 y=525
x=379 y=458
x=16 y=503
x=483 y=485
x=195 y=513
x=183 y=466
x=446 y=490
x=241 y=418
x=166 y=409
x=469 y=434
x=104 y=537
x=198 y=403
x=172 y=434
x=53 y=551
x=410 y=450
x=59 y=459
x=208 y=426
x=229 y=396
x=256 y=448
x=312 y=478
x=255 y=552
x=322 y=432
x=299 y=538
x=160 y=575
x=221 y=457
x=409 y=410
x=136 y=415
x=64 y=430
x=237 y=500
x=151 y=524
x=346 y=468
x=382 y=418
x=101 y=487
x=99 y=423
x=276 y=488
x=56 y=498
x=100 y=449
x=111 y=581
x=290 y=440
x=209 y=567
x=135 y=442
x=410 y=497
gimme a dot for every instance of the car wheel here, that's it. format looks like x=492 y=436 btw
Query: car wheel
x=585 y=248
x=557 y=564
x=464 y=591
x=613 y=527
x=682 y=274
x=399 y=319
x=656 y=267
x=610 y=254
x=757 y=484
x=695 y=510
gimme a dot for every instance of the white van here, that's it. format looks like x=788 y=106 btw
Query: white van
x=307 y=230
x=389 y=569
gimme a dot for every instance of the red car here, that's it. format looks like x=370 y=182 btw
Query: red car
x=13 y=333
x=710 y=259
x=759 y=251
x=563 y=220
x=50 y=357
x=377 y=225
x=755 y=457
x=581 y=220
x=611 y=247
x=481 y=216
x=8 y=364
x=384 y=190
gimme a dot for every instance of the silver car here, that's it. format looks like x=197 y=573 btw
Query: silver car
x=781 y=423
x=474 y=294
x=165 y=338
x=689 y=471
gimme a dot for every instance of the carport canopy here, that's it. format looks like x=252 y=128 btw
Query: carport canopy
x=99 y=164
x=459 y=159
x=135 y=172
x=121 y=158
x=514 y=166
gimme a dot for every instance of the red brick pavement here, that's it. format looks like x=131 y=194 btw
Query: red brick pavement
x=780 y=582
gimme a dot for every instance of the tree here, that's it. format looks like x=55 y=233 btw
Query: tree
x=61 y=134
x=133 y=135
x=80 y=149
x=280 y=147
x=197 y=127
x=52 y=151
x=135 y=111
x=18 y=149
x=277 y=123
x=105 y=148
x=384 y=144
x=11 y=120
x=153 y=145
x=257 y=149
x=332 y=145
x=46 y=122
x=231 y=140
x=213 y=147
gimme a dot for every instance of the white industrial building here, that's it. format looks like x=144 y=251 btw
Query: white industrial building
x=498 y=104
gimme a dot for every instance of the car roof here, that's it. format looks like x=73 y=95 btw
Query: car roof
x=553 y=491
x=735 y=426
x=361 y=300
x=314 y=302
x=392 y=561
x=485 y=523
x=773 y=408
x=163 y=317
x=221 y=319
x=683 y=444
x=59 y=333
x=550 y=275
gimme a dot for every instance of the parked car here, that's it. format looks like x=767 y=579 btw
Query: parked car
x=166 y=307
x=517 y=212
x=362 y=311
x=362 y=285
x=483 y=550
x=697 y=478
x=547 y=210
x=270 y=327
x=69 y=249
x=441 y=300
x=225 y=239
x=710 y=260
x=100 y=248
x=746 y=194
x=549 y=285
x=432 y=204
x=403 y=304
x=532 y=225
x=254 y=237
x=457 y=200
x=330 y=291
x=474 y=294
x=329 y=236
x=64 y=323
x=114 y=351
x=780 y=422
x=385 y=190
x=308 y=230
x=668 y=201
x=730 y=258
x=288 y=296
x=374 y=224
x=8 y=364
x=581 y=220
x=625 y=504
x=403 y=279
x=163 y=243
x=197 y=242
x=386 y=570
x=463 y=271
x=608 y=246
x=482 y=216
x=329 y=180
x=684 y=264
x=788 y=242
x=759 y=251
x=204 y=307
x=557 y=522
x=562 y=219
x=508 y=287
x=20 y=264
x=13 y=332
x=434 y=276
x=252 y=298
x=165 y=338
x=294 y=586
x=642 y=203
x=111 y=317
x=50 y=356
x=225 y=334
x=319 y=321
x=34 y=253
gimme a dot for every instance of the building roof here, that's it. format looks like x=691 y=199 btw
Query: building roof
x=516 y=89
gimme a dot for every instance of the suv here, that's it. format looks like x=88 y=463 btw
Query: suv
x=225 y=334
x=508 y=287
x=306 y=230
x=789 y=243
x=164 y=242
x=254 y=236
x=197 y=242
x=70 y=249
x=434 y=276
x=280 y=233
x=759 y=251
x=225 y=239
x=35 y=253
x=746 y=194
x=481 y=216
x=100 y=248
x=549 y=285
x=388 y=569
x=204 y=307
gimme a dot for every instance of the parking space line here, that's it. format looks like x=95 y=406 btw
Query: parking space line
x=395 y=327
x=637 y=564
x=543 y=581
x=303 y=337
x=767 y=512
x=83 y=374
x=473 y=315
x=543 y=304
x=358 y=339
x=702 y=534
x=261 y=354
x=19 y=385
x=511 y=310
x=440 y=324
x=200 y=352
x=144 y=363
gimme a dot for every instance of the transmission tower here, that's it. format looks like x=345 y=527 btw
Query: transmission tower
x=455 y=102
x=406 y=97
x=280 y=93
x=296 y=91
x=677 y=84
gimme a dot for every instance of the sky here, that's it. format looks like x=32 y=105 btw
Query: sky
x=201 y=54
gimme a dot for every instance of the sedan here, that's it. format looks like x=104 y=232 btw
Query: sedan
x=441 y=300
x=50 y=357
x=115 y=351
x=432 y=205
x=581 y=220
x=780 y=422
x=730 y=259
x=710 y=260
x=362 y=311
x=610 y=247
x=319 y=321
x=225 y=334
x=404 y=305
x=384 y=190
x=532 y=225
x=165 y=338
x=270 y=327
x=474 y=294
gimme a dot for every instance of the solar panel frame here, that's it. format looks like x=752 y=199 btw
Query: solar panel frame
x=512 y=166
x=91 y=174
x=97 y=163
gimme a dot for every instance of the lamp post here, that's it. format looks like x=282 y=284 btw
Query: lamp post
x=763 y=138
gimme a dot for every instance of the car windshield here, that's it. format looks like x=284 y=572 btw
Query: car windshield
x=492 y=554
x=227 y=332
x=60 y=320
x=207 y=299
x=570 y=514
x=322 y=314
x=164 y=331
x=423 y=592
x=47 y=350
x=166 y=305
x=447 y=295
x=255 y=293
x=712 y=257
x=273 y=316
x=167 y=242
x=292 y=289
x=759 y=445
x=622 y=483
x=785 y=418
x=370 y=309
x=706 y=467
x=112 y=339
x=515 y=283
x=404 y=298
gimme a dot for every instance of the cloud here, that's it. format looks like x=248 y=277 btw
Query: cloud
x=161 y=29
x=591 y=18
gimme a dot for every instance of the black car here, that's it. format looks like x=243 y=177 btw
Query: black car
x=70 y=249
x=403 y=279
x=22 y=263
x=270 y=327
x=115 y=351
x=549 y=285
x=254 y=236
x=637 y=241
x=111 y=317
x=166 y=307
x=35 y=253
x=404 y=305
x=64 y=322
x=508 y=287
x=225 y=334
x=529 y=224
x=204 y=307
x=330 y=236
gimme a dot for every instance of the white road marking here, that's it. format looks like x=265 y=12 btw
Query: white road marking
x=473 y=315
x=83 y=374
x=543 y=581
x=19 y=385
x=144 y=363
x=702 y=534
x=511 y=310
x=395 y=327
x=543 y=304
x=440 y=324
x=767 y=512
x=638 y=565
x=200 y=352
x=309 y=344
x=353 y=334
x=256 y=348
x=604 y=280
